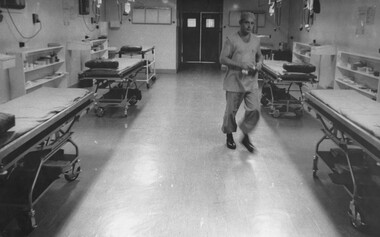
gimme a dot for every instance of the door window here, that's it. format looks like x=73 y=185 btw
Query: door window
x=191 y=22
x=210 y=23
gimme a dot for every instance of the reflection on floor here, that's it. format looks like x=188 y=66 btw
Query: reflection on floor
x=165 y=171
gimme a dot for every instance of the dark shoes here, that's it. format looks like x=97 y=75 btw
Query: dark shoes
x=230 y=141
x=247 y=143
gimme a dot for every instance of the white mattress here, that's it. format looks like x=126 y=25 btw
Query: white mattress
x=37 y=107
x=358 y=108
x=275 y=66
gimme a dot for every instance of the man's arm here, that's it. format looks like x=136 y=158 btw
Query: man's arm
x=225 y=58
x=259 y=58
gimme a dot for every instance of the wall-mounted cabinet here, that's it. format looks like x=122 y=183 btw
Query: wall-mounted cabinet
x=323 y=57
x=358 y=72
x=37 y=67
x=79 y=52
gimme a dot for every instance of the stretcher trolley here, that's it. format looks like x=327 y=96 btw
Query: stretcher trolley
x=148 y=54
x=114 y=82
x=351 y=123
x=39 y=148
x=278 y=85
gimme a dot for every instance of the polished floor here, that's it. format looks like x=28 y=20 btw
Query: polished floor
x=164 y=171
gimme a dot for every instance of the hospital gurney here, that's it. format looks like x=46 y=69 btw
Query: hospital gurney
x=33 y=153
x=148 y=54
x=119 y=84
x=278 y=85
x=352 y=122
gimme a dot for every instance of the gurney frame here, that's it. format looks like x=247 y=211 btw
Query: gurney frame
x=37 y=160
x=358 y=156
x=150 y=64
x=287 y=105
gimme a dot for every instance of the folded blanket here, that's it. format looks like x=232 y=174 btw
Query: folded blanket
x=299 y=67
x=102 y=63
x=7 y=121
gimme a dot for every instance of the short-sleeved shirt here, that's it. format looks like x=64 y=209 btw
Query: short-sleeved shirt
x=241 y=51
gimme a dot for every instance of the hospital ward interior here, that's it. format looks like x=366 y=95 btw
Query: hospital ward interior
x=113 y=112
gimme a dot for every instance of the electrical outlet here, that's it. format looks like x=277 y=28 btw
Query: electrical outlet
x=35 y=18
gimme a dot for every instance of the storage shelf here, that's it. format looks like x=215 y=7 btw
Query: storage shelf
x=321 y=56
x=360 y=79
x=301 y=55
x=23 y=78
x=43 y=66
x=42 y=81
x=356 y=87
x=99 y=51
x=37 y=51
x=358 y=72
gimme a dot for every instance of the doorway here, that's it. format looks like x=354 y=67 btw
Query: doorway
x=201 y=37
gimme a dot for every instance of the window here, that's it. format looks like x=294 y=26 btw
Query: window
x=210 y=23
x=191 y=22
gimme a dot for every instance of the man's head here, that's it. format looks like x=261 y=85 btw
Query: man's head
x=247 y=22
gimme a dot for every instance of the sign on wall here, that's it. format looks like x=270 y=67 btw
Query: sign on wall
x=151 y=15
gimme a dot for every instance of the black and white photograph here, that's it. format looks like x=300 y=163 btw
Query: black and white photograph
x=189 y=118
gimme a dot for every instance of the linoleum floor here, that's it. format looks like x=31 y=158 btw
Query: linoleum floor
x=164 y=171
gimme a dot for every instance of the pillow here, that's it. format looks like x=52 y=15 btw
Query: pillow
x=299 y=67
x=130 y=49
x=102 y=63
x=7 y=121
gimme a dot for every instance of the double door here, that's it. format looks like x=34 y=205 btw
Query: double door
x=201 y=37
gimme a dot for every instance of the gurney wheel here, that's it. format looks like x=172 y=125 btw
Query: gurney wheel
x=132 y=101
x=100 y=112
x=276 y=113
x=73 y=173
x=298 y=113
x=356 y=217
x=26 y=221
x=315 y=176
x=264 y=101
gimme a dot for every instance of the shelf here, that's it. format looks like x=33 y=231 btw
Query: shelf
x=356 y=55
x=36 y=51
x=96 y=41
x=99 y=51
x=358 y=72
x=301 y=55
x=43 y=66
x=356 y=87
x=362 y=81
x=42 y=81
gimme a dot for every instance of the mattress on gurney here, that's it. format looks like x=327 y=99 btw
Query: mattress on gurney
x=354 y=108
x=36 y=108
x=126 y=66
x=275 y=69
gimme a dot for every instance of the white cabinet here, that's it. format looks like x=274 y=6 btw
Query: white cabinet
x=322 y=57
x=79 y=52
x=358 y=72
x=37 y=67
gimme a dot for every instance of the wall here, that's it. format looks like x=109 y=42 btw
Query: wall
x=58 y=25
x=336 y=25
x=163 y=37
x=277 y=36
